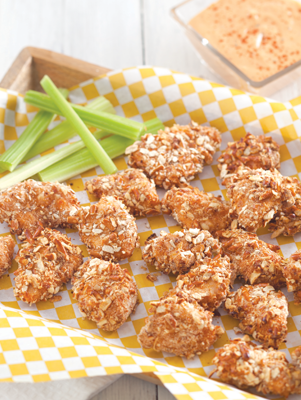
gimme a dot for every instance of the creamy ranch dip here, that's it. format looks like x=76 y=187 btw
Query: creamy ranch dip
x=260 y=37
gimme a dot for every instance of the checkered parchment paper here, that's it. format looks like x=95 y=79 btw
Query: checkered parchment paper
x=50 y=341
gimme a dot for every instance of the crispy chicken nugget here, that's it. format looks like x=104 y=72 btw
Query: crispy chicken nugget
x=179 y=325
x=192 y=208
x=45 y=262
x=243 y=364
x=262 y=312
x=256 y=196
x=208 y=282
x=106 y=293
x=177 y=252
x=255 y=260
x=7 y=245
x=287 y=220
x=30 y=204
x=174 y=156
x=251 y=151
x=108 y=230
x=292 y=274
x=131 y=187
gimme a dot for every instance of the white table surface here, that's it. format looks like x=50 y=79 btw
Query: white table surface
x=114 y=34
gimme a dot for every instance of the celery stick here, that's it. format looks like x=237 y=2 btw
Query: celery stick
x=118 y=125
x=35 y=166
x=14 y=155
x=64 y=131
x=94 y=147
x=153 y=126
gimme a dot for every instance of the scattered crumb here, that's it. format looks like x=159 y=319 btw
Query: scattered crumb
x=151 y=277
x=237 y=330
x=55 y=299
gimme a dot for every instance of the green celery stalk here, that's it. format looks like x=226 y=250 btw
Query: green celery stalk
x=114 y=123
x=35 y=166
x=94 y=147
x=64 y=131
x=82 y=161
x=153 y=126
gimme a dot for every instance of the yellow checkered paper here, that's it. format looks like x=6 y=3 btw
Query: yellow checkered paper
x=34 y=346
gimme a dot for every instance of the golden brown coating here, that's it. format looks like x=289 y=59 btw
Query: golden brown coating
x=45 y=262
x=243 y=364
x=179 y=325
x=108 y=230
x=177 y=252
x=262 y=312
x=287 y=220
x=7 y=245
x=174 y=156
x=106 y=293
x=192 y=208
x=208 y=282
x=251 y=151
x=131 y=187
x=292 y=273
x=256 y=196
x=255 y=260
x=30 y=204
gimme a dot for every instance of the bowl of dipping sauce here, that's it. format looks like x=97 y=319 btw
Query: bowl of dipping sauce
x=253 y=45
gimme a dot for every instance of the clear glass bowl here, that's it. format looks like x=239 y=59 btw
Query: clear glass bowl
x=222 y=67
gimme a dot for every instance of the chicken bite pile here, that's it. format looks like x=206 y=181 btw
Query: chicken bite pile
x=245 y=365
x=262 y=312
x=251 y=151
x=131 y=187
x=7 y=245
x=192 y=208
x=108 y=230
x=208 y=282
x=254 y=260
x=179 y=325
x=45 y=263
x=178 y=252
x=174 y=156
x=106 y=293
x=256 y=196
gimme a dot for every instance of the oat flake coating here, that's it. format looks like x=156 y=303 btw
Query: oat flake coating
x=106 y=293
x=192 y=208
x=7 y=245
x=179 y=325
x=208 y=282
x=287 y=220
x=256 y=196
x=262 y=312
x=177 y=252
x=108 y=230
x=30 y=204
x=131 y=187
x=251 y=151
x=45 y=262
x=174 y=156
x=243 y=364
x=255 y=260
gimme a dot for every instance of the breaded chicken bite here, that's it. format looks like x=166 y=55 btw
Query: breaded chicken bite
x=131 y=187
x=262 y=312
x=243 y=364
x=255 y=260
x=208 y=282
x=45 y=262
x=30 y=204
x=179 y=325
x=251 y=151
x=256 y=196
x=177 y=252
x=192 y=208
x=174 y=156
x=108 y=230
x=7 y=245
x=287 y=220
x=292 y=274
x=106 y=293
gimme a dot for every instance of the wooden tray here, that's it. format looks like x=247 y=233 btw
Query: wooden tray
x=29 y=68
